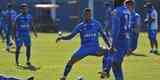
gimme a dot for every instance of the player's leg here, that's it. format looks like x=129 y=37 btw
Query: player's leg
x=155 y=42
x=135 y=43
x=117 y=70
x=150 y=35
x=80 y=54
x=106 y=65
x=7 y=42
x=18 y=47
x=27 y=43
x=117 y=64
x=28 y=54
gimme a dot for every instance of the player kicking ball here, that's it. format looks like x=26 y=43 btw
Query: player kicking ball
x=89 y=30
x=23 y=25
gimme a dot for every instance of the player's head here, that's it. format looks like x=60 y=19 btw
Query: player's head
x=87 y=14
x=24 y=8
x=148 y=5
x=129 y=4
x=9 y=6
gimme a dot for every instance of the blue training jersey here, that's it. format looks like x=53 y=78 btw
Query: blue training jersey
x=9 y=16
x=89 y=32
x=23 y=24
x=120 y=25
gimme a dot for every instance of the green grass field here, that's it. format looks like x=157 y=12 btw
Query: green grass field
x=51 y=58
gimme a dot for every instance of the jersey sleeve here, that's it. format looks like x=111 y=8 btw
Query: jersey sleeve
x=75 y=31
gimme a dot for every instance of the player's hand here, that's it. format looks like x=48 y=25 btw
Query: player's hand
x=112 y=50
x=58 y=39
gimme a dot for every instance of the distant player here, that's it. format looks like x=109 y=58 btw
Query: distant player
x=89 y=30
x=1 y=25
x=9 y=17
x=152 y=26
x=120 y=37
x=23 y=26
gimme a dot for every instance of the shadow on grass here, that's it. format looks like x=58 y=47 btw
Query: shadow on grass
x=137 y=54
x=31 y=67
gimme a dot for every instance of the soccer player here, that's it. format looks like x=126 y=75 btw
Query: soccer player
x=152 y=26
x=134 y=31
x=89 y=30
x=120 y=37
x=9 y=17
x=23 y=25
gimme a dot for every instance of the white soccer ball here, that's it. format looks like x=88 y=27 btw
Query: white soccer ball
x=59 y=33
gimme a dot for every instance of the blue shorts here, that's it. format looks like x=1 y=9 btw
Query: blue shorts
x=26 y=40
x=84 y=51
x=152 y=34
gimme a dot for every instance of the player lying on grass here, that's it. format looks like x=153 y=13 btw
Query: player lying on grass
x=89 y=30
x=23 y=25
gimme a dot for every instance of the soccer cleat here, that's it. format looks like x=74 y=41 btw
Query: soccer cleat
x=104 y=75
x=63 y=78
x=28 y=64
x=31 y=78
x=7 y=49
x=151 y=51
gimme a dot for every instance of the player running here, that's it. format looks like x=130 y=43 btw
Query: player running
x=120 y=37
x=152 y=26
x=23 y=25
x=89 y=30
x=9 y=17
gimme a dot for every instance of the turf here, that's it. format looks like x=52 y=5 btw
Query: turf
x=49 y=59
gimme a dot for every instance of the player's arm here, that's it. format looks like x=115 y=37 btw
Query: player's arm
x=69 y=36
x=153 y=16
x=104 y=36
x=14 y=28
x=33 y=28
x=138 y=23
x=115 y=29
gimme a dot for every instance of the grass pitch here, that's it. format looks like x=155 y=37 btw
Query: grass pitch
x=49 y=59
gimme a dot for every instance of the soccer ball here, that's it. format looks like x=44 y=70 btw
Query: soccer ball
x=59 y=33
x=80 y=78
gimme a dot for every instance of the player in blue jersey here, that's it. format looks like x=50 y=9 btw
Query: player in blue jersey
x=23 y=26
x=89 y=30
x=9 y=17
x=120 y=37
x=152 y=26
x=134 y=31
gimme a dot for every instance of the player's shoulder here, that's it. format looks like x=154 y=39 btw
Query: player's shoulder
x=18 y=16
x=117 y=10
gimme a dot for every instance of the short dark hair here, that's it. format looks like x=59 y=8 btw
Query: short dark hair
x=87 y=10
